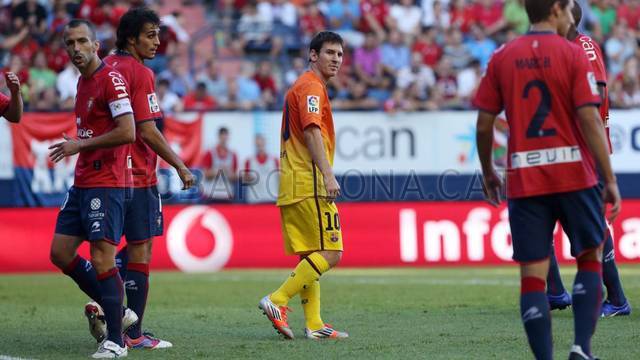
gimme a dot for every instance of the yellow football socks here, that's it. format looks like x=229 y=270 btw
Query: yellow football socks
x=310 y=296
x=308 y=270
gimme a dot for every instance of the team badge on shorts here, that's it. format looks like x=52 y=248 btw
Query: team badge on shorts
x=313 y=104
x=95 y=204
x=335 y=237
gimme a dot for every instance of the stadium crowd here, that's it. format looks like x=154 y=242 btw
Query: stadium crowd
x=401 y=55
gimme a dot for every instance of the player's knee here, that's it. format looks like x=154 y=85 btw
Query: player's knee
x=590 y=255
x=332 y=257
x=139 y=253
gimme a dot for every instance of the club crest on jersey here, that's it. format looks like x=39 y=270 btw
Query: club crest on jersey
x=154 y=107
x=90 y=103
x=313 y=104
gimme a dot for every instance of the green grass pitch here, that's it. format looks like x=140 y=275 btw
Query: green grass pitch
x=457 y=313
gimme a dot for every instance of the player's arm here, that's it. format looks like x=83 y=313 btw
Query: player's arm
x=595 y=137
x=123 y=133
x=484 y=138
x=14 y=111
x=313 y=139
x=153 y=137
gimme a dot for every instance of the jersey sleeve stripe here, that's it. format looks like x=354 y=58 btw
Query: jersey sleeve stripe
x=596 y=104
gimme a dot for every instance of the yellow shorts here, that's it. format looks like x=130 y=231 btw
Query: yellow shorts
x=310 y=225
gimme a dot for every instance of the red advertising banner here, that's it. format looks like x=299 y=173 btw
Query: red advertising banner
x=185 y=139
x=36 y=132
x=209 y=238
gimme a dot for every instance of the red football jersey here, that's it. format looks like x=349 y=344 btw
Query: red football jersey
x=594 y=54
x=145 y=108
x=101 y=98
x=540 y=80
x=4 y=103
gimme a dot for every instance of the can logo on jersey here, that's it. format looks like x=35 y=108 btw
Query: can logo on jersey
x=593 y=84
x=95 y=204
x=154 y=107
x=313 y=104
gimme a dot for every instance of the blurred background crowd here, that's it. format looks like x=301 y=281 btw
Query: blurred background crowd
x=400 y=55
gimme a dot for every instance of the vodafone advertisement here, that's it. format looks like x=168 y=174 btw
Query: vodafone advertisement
x=209 y=238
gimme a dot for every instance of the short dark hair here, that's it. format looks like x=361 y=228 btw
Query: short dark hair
x=223 y=130
x=577 y=12
x=539 y=10
x=74 y=23
x=131 y=24
x=325 y=37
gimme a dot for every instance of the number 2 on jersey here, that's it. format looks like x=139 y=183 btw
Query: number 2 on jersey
x=544 y=108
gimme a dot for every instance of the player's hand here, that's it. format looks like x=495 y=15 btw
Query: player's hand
x=13 y=83
x=611 y=195
x=188 y=180
x=492 y=187
x=63 y=149
x=332 y=187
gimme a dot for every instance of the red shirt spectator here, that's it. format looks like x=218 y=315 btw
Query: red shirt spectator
x=462 y=16
x=199 y=100
x=57 y=57
x=26 y=49
x=312 y=21
x=487 y=13
x=430 y=50
x=264 y=79
x=630 y=13
x=378 y=9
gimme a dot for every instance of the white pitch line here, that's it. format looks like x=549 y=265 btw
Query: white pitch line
x=7 y=357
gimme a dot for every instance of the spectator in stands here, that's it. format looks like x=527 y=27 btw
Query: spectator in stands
x=285 y=13
x=406 y=17
x=625 y=91
x=56 y=55
x=60 y=17
x=427 y=46
x=344 y=18
x=215 y=82
x=311 y=21
x=220 y=166
x=255 y=32
x=242 y=94
x=40 y=76
x=45 y=100
x=399 y=101
x=480 y=46
x=446 y=88
x=180 y=79
x=26 y=49
x=8 y=42
x=31 y=14
x=261 y=175
x=605 y=12
x=268 y=89
x=488 y=15
x=516 y=16
x=456 y=50
x=170 y=103
x=468 y=80
x=296 y=69
x=374 y=17
x=394 y=54
x=227 y=14
x=357 y=99
x=367 y=64
x=199 y=100
x=416 y=78
x=462 y=15
x=435 y=15
x=629 y=13
x=67 y=84
x=620 y=46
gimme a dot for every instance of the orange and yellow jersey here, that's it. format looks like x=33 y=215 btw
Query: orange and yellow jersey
x=306 y=104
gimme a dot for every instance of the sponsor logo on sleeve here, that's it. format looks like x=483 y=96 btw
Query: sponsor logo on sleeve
x=313 y=104
x=154 y=107
x=593 y=84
